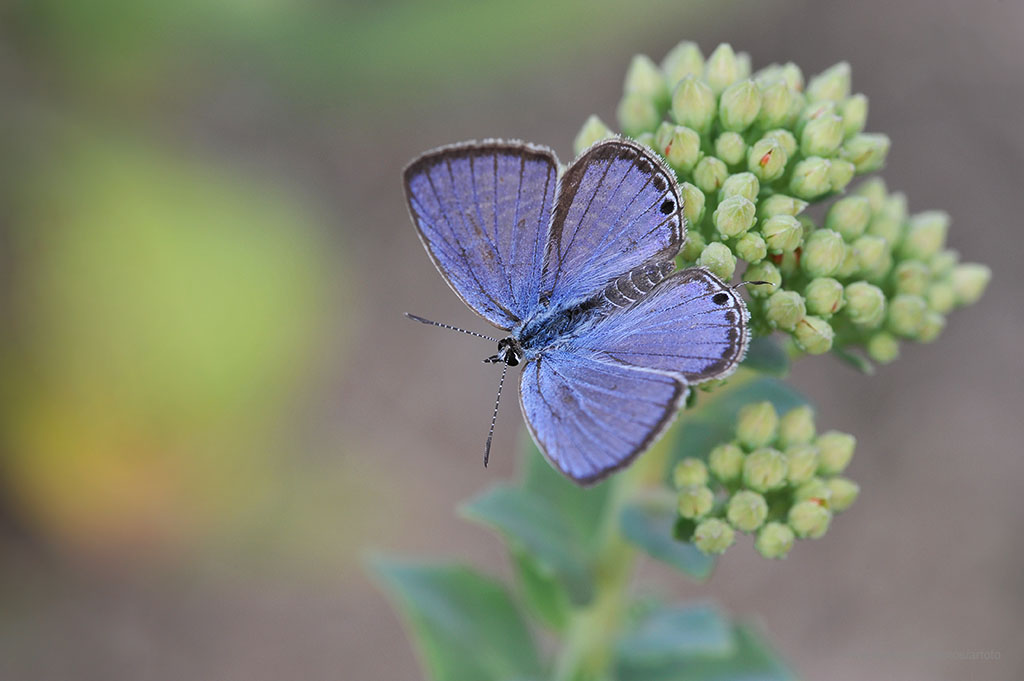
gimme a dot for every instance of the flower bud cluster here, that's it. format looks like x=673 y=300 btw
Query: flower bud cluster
x=752 y=151
x=778 y=479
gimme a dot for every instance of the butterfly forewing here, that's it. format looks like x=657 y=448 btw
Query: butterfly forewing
x=618 y=207
x=483 y=211
x=590 y=417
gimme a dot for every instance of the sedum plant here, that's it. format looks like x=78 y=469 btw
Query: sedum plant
x=757 y=155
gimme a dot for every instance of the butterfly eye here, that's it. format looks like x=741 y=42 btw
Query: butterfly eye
x=720 y=298
x=668 y=206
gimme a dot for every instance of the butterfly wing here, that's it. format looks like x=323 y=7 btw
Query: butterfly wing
x=482 y=211
x=618 y=207
x=594 y=401
x=590 y=417
x=691 y=325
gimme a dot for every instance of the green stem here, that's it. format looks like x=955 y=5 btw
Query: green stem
x=590 y=641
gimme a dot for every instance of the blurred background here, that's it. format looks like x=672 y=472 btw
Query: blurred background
x=212 y=407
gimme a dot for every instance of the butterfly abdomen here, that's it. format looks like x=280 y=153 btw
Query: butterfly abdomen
x=635 y=284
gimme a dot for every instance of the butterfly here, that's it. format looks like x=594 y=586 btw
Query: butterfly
x=578 y=270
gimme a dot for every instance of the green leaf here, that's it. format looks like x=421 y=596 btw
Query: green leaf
x=859 y=363
x=582 y=508
x=713 y=422
x=667 y=634
x=765 y=355
x=748 y=657
x=542 y=592
x=532 y=523
x=649 y=526
x=465 y=625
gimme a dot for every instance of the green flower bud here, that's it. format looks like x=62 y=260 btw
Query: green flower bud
x=594 y=130
x=906 y=315
x=969 y=282
x=730 y=147
x=776 y=101
x=719 y=260
x=844 y=493
x=941 y=297
x=874 y=191
x=739 y=105
x=911 y=277
x=840 y=172
x=849 y=216
x=740 y=184
x=814 y=335
x=756 y=425
x=814 y=490
x=782 y=233
x=693 y=104
x=811 y=178
x=767 y=159
x=713 y=536
x=802 y=463
x=694 y=246
x=784 y=309
x=743 y=64
x=709 y=174
x=695 y=501
x=931 y=327
x=685 y=59
x=835 y=450
x=926 y=235
x=812 y=111
x=822 y=136
x=779 y=204
x=648 y=140
x=747 y=511
x=824 y=296
x=889 y=218
x=832 y=84
x=645 y=78
x=763 y=271
x=680 y=146
x=721 y=69
x=638 y=113
x=943 y=262
x=764 y=469
x=872 y=254
x=809 y=519
x=734 y=216
x=690 y=471
x=867 y=151
x=796 y=427
x=774 y=540
x=883 y=347
x=855 y=114
x=785 y=139
x=850 y=265
x=693 y=203
x=726 y=462
x=823 y=253
x=865 y=304
x=752 y=248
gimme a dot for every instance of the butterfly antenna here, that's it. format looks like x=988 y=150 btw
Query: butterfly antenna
x=751 y=283
x=494 y=416
x=421 y=320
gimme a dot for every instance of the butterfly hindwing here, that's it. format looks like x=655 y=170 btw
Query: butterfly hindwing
x=691 y=325
x=483 y=211
x=618 y=207
x=590 y=417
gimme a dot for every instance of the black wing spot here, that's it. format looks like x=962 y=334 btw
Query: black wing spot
x=668 y=206
x=659 y=183
x=720 y=298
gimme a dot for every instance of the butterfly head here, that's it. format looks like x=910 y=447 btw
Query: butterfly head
x=509 y=351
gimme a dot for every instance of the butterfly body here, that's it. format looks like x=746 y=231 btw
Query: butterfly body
x=578 y=268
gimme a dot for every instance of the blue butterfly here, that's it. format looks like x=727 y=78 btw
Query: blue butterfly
x=578 y=270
